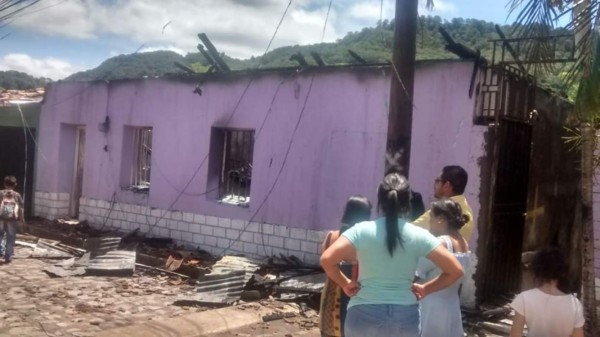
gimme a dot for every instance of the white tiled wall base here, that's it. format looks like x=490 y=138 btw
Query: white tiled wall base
x=217 y=235
x=51 y=205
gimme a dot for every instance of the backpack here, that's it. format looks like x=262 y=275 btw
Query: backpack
x=9 y=208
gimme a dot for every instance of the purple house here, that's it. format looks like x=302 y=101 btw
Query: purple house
x=261 y=162
x=256 y=162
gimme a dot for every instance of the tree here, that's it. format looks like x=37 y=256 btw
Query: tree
x=537 y=18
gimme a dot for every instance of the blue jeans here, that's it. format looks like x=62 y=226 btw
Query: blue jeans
x=11 y=237
x=382 y=320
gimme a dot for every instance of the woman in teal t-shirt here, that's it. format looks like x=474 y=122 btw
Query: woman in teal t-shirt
x=384 y=300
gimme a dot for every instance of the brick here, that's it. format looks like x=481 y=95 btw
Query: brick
x=282 y=231
x=250 y=248
x=238 y=224
x=199 y=218
x=237 y=246
x=194 y=228
x=265 y=251
x=152 y=220
x=298 y=233
x=210 y=241
x=261 y=239
x=131 y=217
x=211 y=220
x=267 y=229
x=224 y=222
x=155 y=212
x=233 y=234
x=279 y=251
x=254 y=227
x=275 y=241
x=219 y=232
x=309 y=247
x=247 y=237
x=222 y=243
x=165 y=233
x=206 y=230
x=292 y=244
x=177 y=216
x=315 y=236
x=198 y=238
x=140 y=218
x=188 y=217
x=176 y=235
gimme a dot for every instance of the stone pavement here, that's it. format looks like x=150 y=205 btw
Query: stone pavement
x=34 y=304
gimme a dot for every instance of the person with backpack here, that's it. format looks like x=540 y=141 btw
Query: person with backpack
x=11 y=215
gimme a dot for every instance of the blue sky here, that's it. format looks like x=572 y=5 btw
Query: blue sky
x=64 y=36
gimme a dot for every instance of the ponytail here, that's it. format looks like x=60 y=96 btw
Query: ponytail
x=393 y=197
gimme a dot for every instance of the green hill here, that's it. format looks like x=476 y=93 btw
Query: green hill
x=374 y=44
x=11 y=79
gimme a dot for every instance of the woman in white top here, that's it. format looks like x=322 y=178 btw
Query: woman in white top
x=546 y=310
x=440 y=312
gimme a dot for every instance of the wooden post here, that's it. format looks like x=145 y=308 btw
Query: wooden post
x=401 y=96
x=588 y=135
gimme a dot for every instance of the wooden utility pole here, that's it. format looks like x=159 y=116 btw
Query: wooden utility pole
x=403 y=78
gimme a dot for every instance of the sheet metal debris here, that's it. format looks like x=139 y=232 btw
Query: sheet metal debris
x=50 y=249
x=229 y=264
x=116 y=262
x=221 y=288
x=70 y=267
x=100 y=246
x=303 y=283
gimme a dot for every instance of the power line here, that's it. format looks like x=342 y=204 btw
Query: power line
x=296 y=127
x=226 y=123
x=38 y=10
x=280 y=168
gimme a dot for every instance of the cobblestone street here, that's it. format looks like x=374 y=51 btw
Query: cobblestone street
x=34 y=304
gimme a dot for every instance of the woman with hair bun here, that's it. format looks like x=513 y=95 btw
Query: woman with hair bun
x=440 y=312
x=384 y=300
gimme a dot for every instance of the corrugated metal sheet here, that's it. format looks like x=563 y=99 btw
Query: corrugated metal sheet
x=217 y=289
x=117 y=262
x=229 y=264
x=48 y=249
x=305 y=283
x=101 y=246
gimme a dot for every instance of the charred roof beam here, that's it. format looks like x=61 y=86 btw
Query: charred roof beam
x=213 y=53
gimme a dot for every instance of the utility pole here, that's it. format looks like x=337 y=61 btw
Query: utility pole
x=402 y=87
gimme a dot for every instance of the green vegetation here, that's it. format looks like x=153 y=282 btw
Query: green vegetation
x=11 y=79
x=374 y=44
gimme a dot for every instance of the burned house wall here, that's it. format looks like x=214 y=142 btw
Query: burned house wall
x=443 y=132
x=553 y=197
x=596 y=210
x=337 y=150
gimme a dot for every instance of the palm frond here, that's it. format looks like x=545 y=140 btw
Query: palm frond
x=588 y=95
x=536 y=21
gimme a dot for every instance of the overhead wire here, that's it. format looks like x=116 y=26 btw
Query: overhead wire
x=235 y=109
x=285 y=158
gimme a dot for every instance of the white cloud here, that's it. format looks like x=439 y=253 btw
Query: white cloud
x=240 y=28
x=162 y=47
x=46 y=67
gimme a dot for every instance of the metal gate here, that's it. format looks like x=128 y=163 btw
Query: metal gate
x=501 y=276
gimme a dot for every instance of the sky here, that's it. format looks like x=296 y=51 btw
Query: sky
x=56 y=38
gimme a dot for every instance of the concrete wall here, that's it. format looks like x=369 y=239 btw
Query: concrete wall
x=338 y=150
